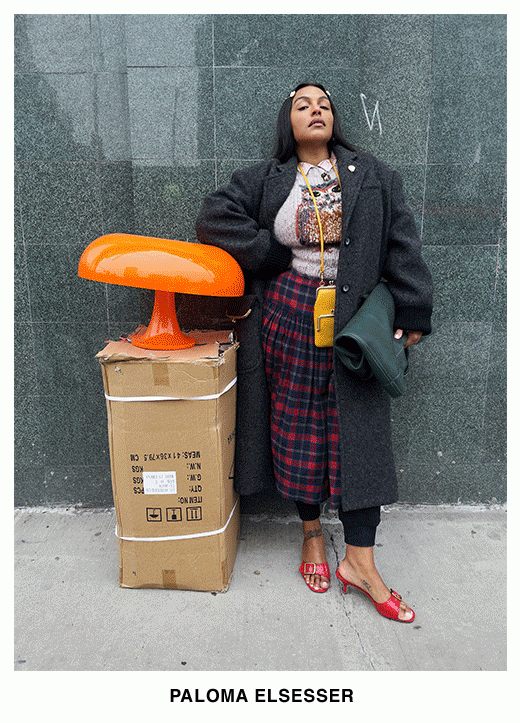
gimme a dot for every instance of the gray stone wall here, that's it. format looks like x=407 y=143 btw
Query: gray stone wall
x=124 y=122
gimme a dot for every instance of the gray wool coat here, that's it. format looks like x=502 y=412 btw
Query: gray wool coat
x=378 y=240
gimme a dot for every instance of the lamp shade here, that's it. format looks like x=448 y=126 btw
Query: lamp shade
x=161 y=264
x=166 y=266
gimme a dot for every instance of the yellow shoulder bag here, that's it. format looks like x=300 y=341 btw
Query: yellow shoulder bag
x=325 y=293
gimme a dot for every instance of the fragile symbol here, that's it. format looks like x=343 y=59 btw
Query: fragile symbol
x=173 y=514
x=153 y=514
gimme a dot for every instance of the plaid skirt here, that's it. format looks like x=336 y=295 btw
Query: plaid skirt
x=304 y=418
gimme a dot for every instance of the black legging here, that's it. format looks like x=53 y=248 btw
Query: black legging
x=359 y=526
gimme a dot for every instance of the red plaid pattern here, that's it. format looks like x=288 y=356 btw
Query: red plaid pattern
x=304 y=420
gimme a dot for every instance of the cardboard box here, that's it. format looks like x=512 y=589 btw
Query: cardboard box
x=171 y=427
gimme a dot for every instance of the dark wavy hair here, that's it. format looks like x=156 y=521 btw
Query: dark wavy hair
x=285 y=146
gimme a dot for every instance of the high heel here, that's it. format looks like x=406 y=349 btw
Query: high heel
x=389 y=609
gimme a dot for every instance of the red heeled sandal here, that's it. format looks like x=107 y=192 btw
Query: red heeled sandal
x=312 y=568
x=389 y=609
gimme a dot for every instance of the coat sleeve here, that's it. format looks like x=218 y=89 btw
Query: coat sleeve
x=229 y=219
x=408 y=277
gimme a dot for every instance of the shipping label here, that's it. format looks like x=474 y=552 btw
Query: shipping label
x=160 y=483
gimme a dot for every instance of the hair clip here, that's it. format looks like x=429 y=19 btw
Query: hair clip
x=293 y=92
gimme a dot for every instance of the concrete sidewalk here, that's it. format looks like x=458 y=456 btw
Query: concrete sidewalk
x=449 y=563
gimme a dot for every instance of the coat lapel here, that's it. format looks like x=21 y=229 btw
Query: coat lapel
x=351 y=174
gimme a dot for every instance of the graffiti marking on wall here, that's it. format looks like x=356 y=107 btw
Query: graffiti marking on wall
x=375 y=114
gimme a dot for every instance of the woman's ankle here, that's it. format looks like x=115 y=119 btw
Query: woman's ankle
x=360 y=559
x=313 y=542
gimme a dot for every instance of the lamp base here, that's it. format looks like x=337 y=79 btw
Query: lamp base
x=163 y=331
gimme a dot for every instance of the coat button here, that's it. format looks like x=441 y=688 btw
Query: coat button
x=345 y=288
x=347 y=241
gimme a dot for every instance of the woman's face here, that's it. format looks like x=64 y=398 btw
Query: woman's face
x=311 y=116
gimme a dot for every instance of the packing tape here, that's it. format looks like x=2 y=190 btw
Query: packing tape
x=180 y=537
x=172 y=399
x=160 y=374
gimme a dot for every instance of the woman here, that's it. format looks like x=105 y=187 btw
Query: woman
x=328 y=434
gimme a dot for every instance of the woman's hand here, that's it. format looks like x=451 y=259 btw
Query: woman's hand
x=413 y=336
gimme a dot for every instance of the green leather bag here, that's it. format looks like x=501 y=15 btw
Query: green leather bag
x=367 y=347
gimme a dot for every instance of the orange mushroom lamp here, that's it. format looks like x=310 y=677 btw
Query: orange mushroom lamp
x=166 y=266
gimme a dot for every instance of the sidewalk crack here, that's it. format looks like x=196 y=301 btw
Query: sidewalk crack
x=347 y=612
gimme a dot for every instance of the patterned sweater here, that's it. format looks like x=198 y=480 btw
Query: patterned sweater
x=296 y=224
